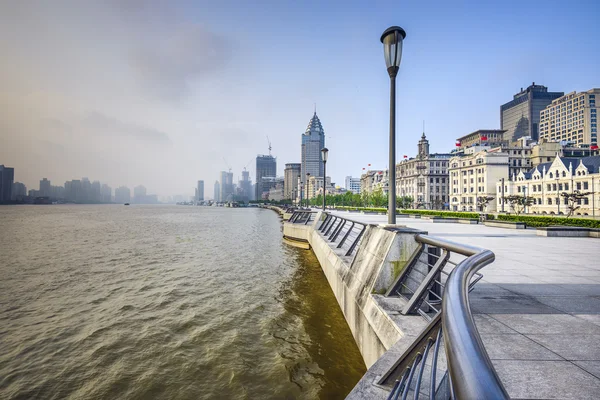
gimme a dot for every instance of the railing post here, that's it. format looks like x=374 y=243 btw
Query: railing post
x=351 y=249
x=346 y=236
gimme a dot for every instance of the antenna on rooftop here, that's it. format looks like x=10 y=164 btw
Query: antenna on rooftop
x=268 y=140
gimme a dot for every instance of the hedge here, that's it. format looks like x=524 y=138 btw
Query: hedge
x=549 y=221
x=445 y=214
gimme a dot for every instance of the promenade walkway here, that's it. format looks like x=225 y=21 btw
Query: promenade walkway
x=537 y=307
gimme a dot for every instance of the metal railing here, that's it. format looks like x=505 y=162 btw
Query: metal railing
x=344 y=233
x=449 y=348
x=302 y=217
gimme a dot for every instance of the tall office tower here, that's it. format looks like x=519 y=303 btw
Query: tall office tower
x=246 y=186
x=45 y=187
x=266 y=166
x=290 y=180
x=106 y=194
x=7 y=177
x=521 y=116
x=139 y=194
x=217 y=193
x=200 y=191
x=96 y=192
x=122 y=195
x=226 y=186
x=572 y=118
x=86 y=190
x=313 y=140
x=19 y=190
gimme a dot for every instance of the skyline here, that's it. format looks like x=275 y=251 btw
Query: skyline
x=165 y=93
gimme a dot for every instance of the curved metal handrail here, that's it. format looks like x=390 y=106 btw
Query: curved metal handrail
x=471 y=371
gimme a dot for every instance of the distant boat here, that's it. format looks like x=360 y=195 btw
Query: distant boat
x=126 y=204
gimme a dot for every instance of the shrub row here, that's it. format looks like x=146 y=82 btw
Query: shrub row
x=446 y=214
x=549 y=221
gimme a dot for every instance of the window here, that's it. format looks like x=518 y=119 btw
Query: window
x=585 y=185
x=566 y=186
x=554 y=187
x=550 y=175
x=549 y=187
x=549 y=201
x=564 y=174
x=560 y=186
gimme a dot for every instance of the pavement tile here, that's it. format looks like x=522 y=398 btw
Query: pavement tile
x=513 y=304
x=593 y=367
x=515 y=347
x=531 y=324
x=572 y=304
x=546 y=380
x=571 y=347
x=538 y=288
x=486 y=324
x=593 y=318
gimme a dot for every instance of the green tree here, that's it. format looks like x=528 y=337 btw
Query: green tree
x=574 y=200
x=518 y=203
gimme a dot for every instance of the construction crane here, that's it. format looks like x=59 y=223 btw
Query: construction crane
x=226 y=163
x=248 y=163
x=269 y=140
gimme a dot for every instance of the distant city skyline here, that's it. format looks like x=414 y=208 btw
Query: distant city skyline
x=163 y=100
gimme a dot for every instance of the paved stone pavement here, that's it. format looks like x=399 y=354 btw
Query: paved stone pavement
x=537 y=307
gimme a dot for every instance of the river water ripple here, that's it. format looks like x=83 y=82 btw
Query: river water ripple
x=170 y=302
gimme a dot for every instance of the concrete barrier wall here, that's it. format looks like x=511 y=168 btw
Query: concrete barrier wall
x=380 y=257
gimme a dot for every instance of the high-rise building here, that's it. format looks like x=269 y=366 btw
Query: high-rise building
x=353 y=184
x=266 y=166
x=7 y=177
x=226 y=186
x=106 y=194
x=290 y=176
x=217 y=192
x=572 y=118
x=200 y=191
x=96 y=192
x=139 y=194
x=245 y=187
x=19 y=190
x=45 y=188
x=521 y=116
x=313 y=140
x=122 y=195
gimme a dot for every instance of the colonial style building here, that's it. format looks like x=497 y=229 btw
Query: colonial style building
x=474 y=174
x=374 y=179
x=424 y=178
x=315 y=186
x=482 y=137
x=545 y=183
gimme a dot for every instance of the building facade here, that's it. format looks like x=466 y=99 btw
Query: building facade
x=245 y=187
x=482 y=137
x=217 y=192
x=474 y=174
x=200 y=191
x=7 y=177
x=313 y=140
x=226 y=186
x=572 y=118
x=374 y=179
x=520 y=117
x=545 y=183
x=315 y=186
x=19 y=191
x=122 y=195
x=424 y=178
x=290 y=176
x=266 y=166
x=353 y=184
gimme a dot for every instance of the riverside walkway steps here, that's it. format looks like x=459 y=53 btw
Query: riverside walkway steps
x=537 y=310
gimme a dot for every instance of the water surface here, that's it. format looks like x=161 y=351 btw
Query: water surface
x=145 y=302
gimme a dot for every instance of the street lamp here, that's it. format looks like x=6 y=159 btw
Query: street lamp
x=324 y=153
x=301 y=194
x=307 y=176
x=392 y=40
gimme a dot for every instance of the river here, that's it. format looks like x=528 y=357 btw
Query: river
x=165 y=302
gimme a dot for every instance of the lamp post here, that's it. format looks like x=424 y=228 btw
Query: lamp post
x=392 y=39
x=324 y=153
x=307 y=177
x=301 y=194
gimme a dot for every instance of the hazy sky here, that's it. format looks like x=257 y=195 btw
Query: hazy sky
x=158 y=93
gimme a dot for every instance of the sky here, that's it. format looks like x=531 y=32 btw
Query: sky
x=163 y=94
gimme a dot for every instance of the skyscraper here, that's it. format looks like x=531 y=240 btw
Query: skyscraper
x=290 y=182
x=521 y=116
x=7 y=177
x=200 y=191
x=266 y=166
x=217 y=192
x=122 y=194
x=19 y=190
x=245 y=186
x=45 y=187
x=139 y=194
x=313 y=140
x=226 y=186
